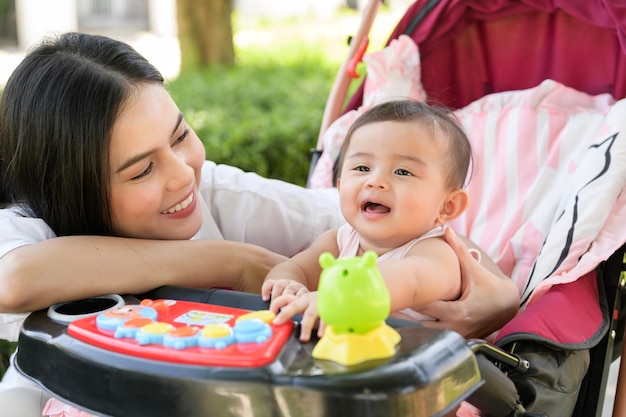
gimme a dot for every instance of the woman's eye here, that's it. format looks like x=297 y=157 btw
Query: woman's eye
x=403 y=172
x=144 y=173
x=181 y=138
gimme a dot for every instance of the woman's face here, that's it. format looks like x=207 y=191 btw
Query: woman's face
x=156 y=160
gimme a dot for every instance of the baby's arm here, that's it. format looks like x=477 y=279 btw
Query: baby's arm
x=428 y=273
x=301 y=273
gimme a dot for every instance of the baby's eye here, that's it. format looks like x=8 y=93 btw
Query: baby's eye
x=402 y=172
x=362 y=168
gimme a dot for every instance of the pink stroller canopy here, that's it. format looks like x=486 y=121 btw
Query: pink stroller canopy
x=470 y=48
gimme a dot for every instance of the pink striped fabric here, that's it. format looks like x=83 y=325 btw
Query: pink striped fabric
x=548 y=178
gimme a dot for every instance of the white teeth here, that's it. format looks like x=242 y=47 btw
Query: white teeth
x=180 y=206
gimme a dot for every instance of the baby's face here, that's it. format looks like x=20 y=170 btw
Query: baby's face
x=393 y=182
x=156 y=161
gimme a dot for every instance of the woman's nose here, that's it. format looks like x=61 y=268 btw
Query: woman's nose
x=180 y=174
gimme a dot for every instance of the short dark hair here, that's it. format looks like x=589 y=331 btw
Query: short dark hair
x=440 y=117
x=56 y=118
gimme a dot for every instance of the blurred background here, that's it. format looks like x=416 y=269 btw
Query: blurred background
x=251 y=76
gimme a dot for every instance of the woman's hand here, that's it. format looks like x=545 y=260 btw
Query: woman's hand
x=255 y=264
x=489 y=299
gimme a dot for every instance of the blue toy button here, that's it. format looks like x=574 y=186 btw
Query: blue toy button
x=252 y=331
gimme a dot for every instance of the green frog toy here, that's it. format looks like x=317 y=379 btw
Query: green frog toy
x=354 y=302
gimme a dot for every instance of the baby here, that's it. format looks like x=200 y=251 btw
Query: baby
x=401 y=177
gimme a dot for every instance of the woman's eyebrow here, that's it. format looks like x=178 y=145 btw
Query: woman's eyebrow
x=137 y=158
x=178 y=122
x=131 y=161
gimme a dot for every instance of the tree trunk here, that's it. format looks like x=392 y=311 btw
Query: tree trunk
x=205 y=33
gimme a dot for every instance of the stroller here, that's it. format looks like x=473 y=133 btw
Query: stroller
x=523 y=76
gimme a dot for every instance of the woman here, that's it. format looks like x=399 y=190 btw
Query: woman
x=104 y=189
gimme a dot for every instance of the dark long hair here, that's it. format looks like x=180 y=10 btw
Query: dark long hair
x=56 y=118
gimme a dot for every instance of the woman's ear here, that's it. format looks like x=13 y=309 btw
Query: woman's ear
x=338 y=182
x=455 y=204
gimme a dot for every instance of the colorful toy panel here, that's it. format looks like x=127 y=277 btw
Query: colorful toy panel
x=186 y=332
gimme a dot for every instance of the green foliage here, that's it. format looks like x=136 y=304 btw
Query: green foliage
x=6 y=350
x=263 y=114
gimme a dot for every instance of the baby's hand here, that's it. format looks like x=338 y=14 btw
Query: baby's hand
x=272 y=288
x=306 y=304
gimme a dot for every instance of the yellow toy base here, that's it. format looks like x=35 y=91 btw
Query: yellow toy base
x=351 y=349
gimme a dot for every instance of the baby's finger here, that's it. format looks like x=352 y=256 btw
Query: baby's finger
x=266 y=289
x=302 y=291
x=293 y=288
x=307 y=324
x=321 y=329
x=288 y=306
x=279 y=287
x=280 y=302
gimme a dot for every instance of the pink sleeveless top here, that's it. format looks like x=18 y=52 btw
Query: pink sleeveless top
x=348 y=242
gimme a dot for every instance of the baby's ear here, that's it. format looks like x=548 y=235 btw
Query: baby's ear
x=456 y=203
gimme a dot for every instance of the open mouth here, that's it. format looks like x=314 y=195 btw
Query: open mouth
x=180 y=206
x=371 y=207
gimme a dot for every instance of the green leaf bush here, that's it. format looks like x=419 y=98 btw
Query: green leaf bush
x=264 y=114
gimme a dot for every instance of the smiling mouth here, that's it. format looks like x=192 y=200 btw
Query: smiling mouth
x=370 y=207
x=180 y=206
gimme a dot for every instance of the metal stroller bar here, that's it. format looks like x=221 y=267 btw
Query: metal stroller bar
x=340 y=86
x=498 y=355
x=338 y=92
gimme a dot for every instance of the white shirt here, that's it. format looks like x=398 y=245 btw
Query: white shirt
x=237 y=206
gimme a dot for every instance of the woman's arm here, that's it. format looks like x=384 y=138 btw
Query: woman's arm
x=489 y=299
x=37 y=275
